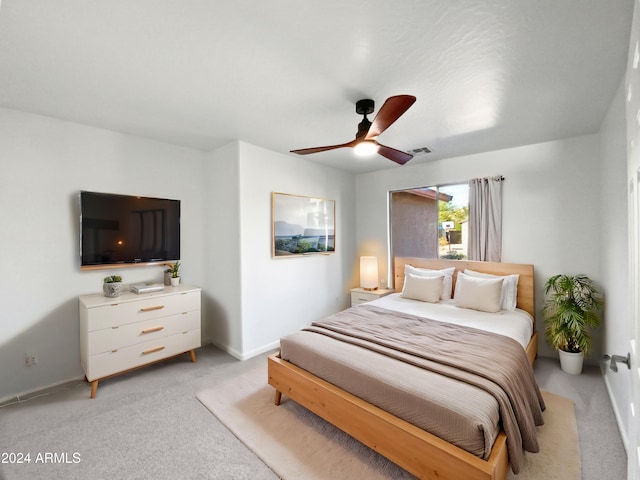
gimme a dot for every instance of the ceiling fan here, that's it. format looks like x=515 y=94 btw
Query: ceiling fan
x=366 y=137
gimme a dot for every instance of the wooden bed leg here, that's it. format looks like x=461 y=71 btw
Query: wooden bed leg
x=278 y=397
x=193 y=355
x=94 y=388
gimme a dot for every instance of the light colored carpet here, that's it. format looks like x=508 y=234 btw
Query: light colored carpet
x=296 y=444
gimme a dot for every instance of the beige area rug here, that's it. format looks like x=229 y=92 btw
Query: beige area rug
x=297 y=444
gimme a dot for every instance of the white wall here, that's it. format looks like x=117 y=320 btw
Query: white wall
x=551 y=214
x=249 y=299
x=282 y=295
x=254 y=298
x=44 y=164
x=221 y=297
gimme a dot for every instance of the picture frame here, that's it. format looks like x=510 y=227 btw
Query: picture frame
x=302 y=225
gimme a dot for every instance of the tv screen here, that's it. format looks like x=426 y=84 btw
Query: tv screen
x=117 y=229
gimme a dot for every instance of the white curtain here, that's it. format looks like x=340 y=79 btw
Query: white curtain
x=485 y=219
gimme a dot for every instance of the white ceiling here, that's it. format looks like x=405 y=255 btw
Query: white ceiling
x=285 y=74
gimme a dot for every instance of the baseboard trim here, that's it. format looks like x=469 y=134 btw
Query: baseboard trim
x=616 y=413
x=265 y=348
x=40 y=391
x=246 y=356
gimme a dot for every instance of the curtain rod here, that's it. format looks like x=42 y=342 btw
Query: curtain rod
x=495 y=177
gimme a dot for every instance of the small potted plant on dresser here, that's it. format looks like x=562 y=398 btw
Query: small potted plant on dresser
x=175 y=274
x=112 y=286
x=570 y=310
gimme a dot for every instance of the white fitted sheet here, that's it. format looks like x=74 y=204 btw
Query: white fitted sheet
x=516 y=324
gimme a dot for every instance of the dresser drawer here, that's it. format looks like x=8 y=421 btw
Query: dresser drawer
x=361 y=297
x=108 y=363
x=117 y=314
x=132 y=333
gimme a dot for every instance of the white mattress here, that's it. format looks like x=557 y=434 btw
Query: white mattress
x=516 y=324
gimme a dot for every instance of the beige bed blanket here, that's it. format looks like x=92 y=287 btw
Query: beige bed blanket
x=493 y=363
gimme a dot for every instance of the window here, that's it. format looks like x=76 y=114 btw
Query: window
x=429 y=222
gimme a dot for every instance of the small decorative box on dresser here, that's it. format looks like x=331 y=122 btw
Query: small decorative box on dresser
x=360 y=295
x=120 y=334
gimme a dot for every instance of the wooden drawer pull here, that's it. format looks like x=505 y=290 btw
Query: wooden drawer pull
x=151 y=330
x=150 y=309
x=152 y=350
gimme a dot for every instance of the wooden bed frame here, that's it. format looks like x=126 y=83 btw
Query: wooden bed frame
x=415 y=450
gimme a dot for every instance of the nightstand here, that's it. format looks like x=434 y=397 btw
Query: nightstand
x=360 y=295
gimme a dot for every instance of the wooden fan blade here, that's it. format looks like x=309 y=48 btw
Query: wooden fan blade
x=397 y=156
x=307 y=151
x=391 y=110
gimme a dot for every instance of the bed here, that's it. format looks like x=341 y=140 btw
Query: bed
x=403 y=441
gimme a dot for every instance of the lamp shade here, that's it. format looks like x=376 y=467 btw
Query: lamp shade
x=369 y=273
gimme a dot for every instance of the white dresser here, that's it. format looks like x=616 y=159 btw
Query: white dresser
x=120 y=334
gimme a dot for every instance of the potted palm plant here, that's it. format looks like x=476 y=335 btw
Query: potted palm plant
x=570 y=310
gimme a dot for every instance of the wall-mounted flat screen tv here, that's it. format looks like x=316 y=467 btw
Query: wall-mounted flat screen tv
x=126 y=229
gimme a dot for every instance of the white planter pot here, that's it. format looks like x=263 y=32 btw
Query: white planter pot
x=175 y=281
x=571 y=362
x=112 y=290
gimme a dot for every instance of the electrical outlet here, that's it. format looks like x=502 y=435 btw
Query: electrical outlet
x=30 y=359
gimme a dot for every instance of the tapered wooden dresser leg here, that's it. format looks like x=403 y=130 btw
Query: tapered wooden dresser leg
x=94 y=388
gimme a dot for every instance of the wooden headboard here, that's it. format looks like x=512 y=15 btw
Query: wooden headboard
x=525 y=300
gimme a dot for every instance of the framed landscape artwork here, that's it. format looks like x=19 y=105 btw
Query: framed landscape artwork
x=302 y=225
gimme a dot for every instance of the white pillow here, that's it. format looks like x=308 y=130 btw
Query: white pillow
x=447 y=284
x=509 y=296
x=425 y=289
x=478 y=293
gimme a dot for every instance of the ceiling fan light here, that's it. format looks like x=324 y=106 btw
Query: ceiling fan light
x=365 y=148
